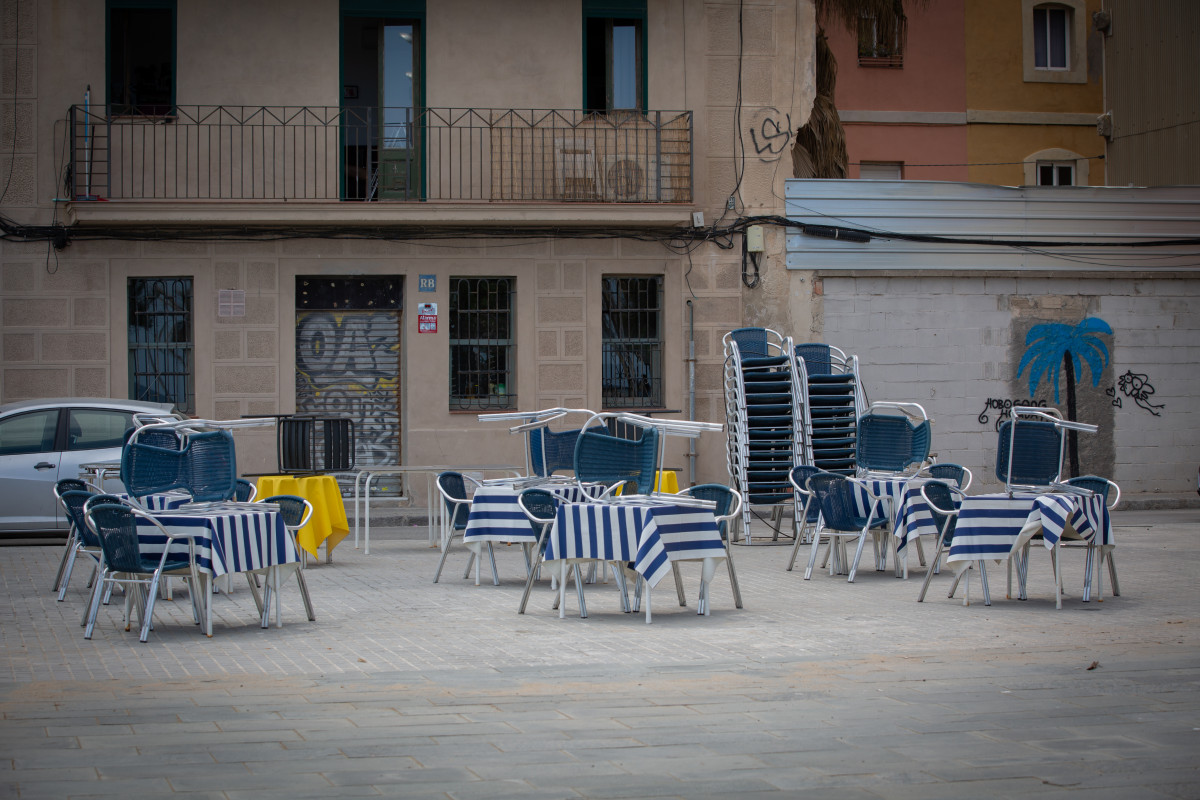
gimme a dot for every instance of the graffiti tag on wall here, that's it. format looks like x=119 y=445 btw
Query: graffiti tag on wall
x=770 y=133
x=1137 y=387
x=349 y=364
x=1004 y=406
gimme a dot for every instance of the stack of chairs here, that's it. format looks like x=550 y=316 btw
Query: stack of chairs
x=765 y=415
x=833 y=400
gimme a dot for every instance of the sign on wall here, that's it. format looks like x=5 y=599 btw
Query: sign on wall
x=426 y=317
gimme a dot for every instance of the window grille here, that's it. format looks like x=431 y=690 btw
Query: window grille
x=481 y=343
x=161 y=350
x=632 y=342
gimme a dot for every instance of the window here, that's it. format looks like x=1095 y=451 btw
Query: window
x=1056 y=166
x=160 y=341
x=632 y=342
x=1050 y=38
x=481 y=343
x=95 y=428
x=1053 y=41
x=29 y=433
x=881 y=170
x=1052 y=173
x=614 y=55
x=141 y=56
x=878 y=46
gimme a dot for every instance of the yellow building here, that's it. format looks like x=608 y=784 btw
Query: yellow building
x=1034 y=92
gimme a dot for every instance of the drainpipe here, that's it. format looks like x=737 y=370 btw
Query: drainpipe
x=691 y=360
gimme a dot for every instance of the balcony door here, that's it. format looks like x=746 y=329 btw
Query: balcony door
x=381 y=99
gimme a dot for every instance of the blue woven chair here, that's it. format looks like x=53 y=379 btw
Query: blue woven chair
x=613 y=461
x=116 y=526
x=943 y=501
x=551 y=451
x=728 y=508
x=956 y=474
x=806 y=513
x=205 y=467
x=81 y=536
x=887 y=444
x=817 y=358
x=840 y=520
x=66 y=485
x=295 y=512
x=244 y=491
x=1106 y=489
x=1030 y=456
x=452 y=486
x=540 y=506
x=759 y=347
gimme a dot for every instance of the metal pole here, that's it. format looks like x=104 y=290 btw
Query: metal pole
x=691 y=359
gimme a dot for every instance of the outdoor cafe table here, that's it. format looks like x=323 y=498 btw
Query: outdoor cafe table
x=650 y=535
x=495 y=516
x=997 y=527
x=229 y=538
x=892 y=493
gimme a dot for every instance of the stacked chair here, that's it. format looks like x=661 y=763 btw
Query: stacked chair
x=833 y=401
x=765 y=415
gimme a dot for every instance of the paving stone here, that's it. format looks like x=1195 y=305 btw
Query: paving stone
x=815 y=689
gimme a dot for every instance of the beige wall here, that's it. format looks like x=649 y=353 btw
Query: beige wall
x=62 y=314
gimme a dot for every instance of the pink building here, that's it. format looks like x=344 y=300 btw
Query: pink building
x=904 y=108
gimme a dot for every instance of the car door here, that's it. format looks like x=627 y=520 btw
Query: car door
x=28 y=471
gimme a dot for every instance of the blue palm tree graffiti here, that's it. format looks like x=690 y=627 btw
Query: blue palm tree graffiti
x=1053 y=343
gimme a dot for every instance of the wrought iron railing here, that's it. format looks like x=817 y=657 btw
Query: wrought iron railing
x=277 y=153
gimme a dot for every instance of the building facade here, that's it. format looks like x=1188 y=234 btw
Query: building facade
x=407 y=212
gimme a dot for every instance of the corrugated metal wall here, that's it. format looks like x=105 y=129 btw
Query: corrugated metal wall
x=1152 y=89
x=1079 y=214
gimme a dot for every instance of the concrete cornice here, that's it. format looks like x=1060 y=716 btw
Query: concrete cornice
x=970 y=116
x=903 y=117
x=320 y=212
x=988 y=117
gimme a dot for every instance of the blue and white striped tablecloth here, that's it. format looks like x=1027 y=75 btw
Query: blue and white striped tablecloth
x=890 y=491
x=496 y=516
x=226 y=541
x=993 y=526
x=913 y=519
x=650 y=536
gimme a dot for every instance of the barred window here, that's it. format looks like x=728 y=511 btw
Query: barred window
x=632 y=337
x=161 y=350
x=481 y=343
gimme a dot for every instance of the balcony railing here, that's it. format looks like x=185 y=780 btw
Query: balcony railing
x=278 y=153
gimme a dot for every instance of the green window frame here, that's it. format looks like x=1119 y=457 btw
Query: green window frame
x=614 y=55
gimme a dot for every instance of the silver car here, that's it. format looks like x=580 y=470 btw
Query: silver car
x=43 y=441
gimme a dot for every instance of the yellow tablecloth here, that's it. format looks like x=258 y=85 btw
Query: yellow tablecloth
x=328 y=522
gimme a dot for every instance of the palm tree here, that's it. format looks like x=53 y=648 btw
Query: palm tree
x=820 y=148
x=1054 y=343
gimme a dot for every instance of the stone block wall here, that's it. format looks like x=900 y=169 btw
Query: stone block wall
x=955 y=345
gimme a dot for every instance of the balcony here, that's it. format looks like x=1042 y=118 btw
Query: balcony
x=380 y=161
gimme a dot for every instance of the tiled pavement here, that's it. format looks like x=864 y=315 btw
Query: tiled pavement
x=404 y=688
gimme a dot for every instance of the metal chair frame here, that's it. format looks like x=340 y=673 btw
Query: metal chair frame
x=728 y=509
x=123 y=565
x=834 y=495
x=454 y=518
x=296 y=512
x=804 y=515
x=945 y=517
